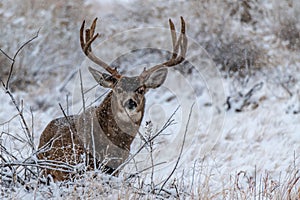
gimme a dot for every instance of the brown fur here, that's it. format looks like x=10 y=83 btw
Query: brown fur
x=66 y=143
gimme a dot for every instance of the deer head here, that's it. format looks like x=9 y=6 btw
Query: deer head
x=129 y=92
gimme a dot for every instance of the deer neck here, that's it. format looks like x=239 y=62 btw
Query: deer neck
x=119 y=131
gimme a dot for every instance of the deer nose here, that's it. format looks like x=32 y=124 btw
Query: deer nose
x=131 y=104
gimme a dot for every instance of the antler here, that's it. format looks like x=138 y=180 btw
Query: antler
x=86 y=43
x=175 y=58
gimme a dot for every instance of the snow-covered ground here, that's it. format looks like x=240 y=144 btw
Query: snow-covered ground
x=241 y=73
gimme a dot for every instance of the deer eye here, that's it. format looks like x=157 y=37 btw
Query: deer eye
x=141 y=90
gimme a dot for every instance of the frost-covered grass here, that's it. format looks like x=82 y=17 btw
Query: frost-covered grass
x=242 y=71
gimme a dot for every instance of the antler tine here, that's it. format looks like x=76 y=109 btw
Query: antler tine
x=173 y=36
x=181 y=43
x=82 y=41
x=86 y=43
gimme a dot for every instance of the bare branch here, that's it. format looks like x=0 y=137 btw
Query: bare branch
x=20 y=112
x=181 y=150
x=82 y=92
x=6 y=55
x=13 y=59
x=9 y=120
x=7 y=90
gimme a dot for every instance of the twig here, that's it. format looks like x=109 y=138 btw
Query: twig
x=7 y=90
x=84 y=126
x=181 y=150
x=255 y=174
x=292 y=184
x=19 y=108
x=12 y=169
x=97 y=99
x=32 y=127
x=46 y=147
x=148 y=134
x=193 y=176
x=152 y=163
x=67 y=80
x=20 y=112
x=14 y=137
x=176 y=189
x=13 y=59
x=255 y=88
x=4 y=150
x=66 y=116
x=6 y=55
x=72 y=131
x=6 y=122
x=45 y=164
x=166 y=125
x=82 y=93
x=286 y=89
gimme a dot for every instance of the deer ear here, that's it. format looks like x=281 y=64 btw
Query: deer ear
x=105 y=80
x=156 y=78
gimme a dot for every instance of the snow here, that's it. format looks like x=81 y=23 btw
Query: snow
x=258 y=135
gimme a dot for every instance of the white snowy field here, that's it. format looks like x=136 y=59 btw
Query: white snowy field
x=239 y=84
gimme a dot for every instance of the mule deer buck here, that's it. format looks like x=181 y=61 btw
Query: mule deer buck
x=101 y=136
